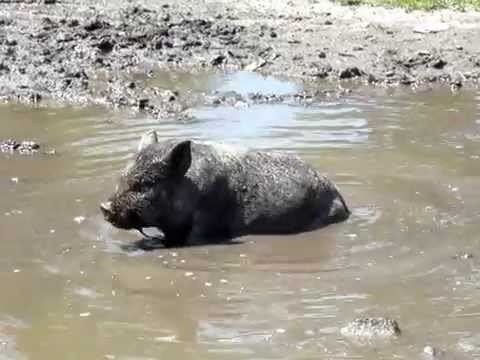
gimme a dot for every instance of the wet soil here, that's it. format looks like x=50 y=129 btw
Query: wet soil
x=104 y=53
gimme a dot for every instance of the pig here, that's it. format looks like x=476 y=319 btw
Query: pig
x=198 y=192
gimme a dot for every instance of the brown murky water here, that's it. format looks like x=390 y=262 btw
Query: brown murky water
x=408 y=165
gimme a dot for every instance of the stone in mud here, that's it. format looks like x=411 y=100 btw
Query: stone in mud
x=456 y=83
x=371 y=328
x=94 y=25
x=28 y=147
x=143 y=103
x=73 y=23
x=439 y=64
x=320 y=72
x=4 y=67
x=350 y=72
x=255 y=65
x=9 y=145
x=106 y=45
x=23 y=147
x=197 y=192
x=432 y=353
x=407 y=80
x=218 y=60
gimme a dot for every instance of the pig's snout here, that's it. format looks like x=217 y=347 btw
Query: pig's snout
x=106 y=208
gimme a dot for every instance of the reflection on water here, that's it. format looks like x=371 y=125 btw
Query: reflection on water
x=245 y=83
x=408 y=165
x=290 y=127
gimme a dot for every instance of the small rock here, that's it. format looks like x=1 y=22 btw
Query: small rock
x=94 y=25
x=27 y=147
x=322 y=55
x=371 y=328
x=439 y=64
x=456 y=83
x=218 y=60
x=255 y=65
x=328 y=22
x=9 y=145
x=391 y=52
x=423 y=53
x=349 y=73
x=273 y=34
x=322 y=73
x=345 y=54
x=143 y=103
x=73 y=23
x=106 y=45
x=407 y=80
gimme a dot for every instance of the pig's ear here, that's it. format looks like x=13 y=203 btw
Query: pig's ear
x=149 y=138
x=179 y=158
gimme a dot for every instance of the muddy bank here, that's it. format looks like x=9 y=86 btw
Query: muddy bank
x=94 y=53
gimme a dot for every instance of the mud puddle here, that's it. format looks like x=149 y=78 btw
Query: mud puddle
x=408 y=164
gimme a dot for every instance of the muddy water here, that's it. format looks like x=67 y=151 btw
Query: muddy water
x=407 y=163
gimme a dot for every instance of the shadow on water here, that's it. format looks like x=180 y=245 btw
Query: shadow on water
x=407 y=163
x=156 y=243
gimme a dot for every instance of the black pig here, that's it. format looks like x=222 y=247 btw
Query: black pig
x=197 y=192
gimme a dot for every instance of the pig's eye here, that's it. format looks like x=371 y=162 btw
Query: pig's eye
x=136 y=186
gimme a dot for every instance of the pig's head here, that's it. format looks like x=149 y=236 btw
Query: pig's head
x=145 y=194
